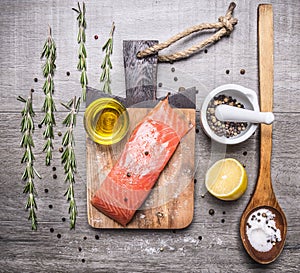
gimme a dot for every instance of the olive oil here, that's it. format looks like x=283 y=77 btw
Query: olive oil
x=106 y=121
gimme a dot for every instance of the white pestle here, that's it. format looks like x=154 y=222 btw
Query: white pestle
x=234 y=114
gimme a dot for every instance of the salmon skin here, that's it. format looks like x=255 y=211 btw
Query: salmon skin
x=145 y=155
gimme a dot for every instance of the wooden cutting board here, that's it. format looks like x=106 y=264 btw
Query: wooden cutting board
x=170 y=205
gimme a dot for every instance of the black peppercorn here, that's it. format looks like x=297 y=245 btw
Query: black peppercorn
x=211 y=212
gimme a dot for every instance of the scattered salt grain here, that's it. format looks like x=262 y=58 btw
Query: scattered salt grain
x=261 y=230
x=142 y=216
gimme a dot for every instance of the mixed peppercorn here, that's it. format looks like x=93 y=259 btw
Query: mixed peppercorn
x=224 y=128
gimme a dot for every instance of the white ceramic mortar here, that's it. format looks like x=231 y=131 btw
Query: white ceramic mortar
x=243 y=95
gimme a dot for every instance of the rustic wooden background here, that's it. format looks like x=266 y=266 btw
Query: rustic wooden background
x=211 y=243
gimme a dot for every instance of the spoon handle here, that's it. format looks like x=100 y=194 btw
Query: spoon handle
x=266 y=77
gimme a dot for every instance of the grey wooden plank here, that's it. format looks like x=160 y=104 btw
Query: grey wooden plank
x=21 y=63
x=23 y=29
x=166 y=251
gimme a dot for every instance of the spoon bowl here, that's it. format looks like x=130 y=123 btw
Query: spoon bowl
x=281 y=224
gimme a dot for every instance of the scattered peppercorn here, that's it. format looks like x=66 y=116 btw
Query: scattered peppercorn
x=68 y=73
x=54 y=176
x=61 y=149
x=226 y=128
x=211 y=212
x=173 y=69
x=35 y=79
x=242 y=71
x=159 y=214
x=59 y=133
x=96 y=37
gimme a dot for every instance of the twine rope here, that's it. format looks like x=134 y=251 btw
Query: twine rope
x=224 y=26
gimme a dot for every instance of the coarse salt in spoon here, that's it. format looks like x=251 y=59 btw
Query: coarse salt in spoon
x=263 y=225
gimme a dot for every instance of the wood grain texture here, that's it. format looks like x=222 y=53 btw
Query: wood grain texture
x=264 y=195
x=140 y=74
x=23 y=30
x=171 y=202
x=266 y=85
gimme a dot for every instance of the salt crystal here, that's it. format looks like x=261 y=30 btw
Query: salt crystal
x=261 y=230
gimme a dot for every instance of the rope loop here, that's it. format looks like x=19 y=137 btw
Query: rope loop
x=225 y=26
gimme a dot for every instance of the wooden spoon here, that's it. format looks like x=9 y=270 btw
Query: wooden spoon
x=264 y=196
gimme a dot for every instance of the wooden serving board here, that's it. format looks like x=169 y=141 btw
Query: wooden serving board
x=170 y=204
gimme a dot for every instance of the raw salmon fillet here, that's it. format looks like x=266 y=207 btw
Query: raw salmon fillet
x=145 y=155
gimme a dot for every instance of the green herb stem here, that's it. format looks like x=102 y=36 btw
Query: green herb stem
x=81 y=37
x=68 y=156
x=49 y=52
x=27 y=130
x=106 y=65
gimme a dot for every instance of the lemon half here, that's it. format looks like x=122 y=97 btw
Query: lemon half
x=226 y=179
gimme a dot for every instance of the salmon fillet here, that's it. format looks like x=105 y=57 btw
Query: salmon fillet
x=145 y=155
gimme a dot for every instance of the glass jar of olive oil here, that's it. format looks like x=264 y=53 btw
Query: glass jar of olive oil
x=106 y=121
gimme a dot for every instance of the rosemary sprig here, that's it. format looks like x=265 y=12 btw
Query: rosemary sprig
x=27 y=129
x=49 y=52
x=68 y=156
x=81 y=37
x=106 y=64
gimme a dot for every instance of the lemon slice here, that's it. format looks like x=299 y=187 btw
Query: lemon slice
x=226 y=179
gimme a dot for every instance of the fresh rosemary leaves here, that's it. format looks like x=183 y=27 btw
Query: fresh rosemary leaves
x=81 y=66
x=27 y=129
x=106 y=64
x=68 y=156
x=49 y=52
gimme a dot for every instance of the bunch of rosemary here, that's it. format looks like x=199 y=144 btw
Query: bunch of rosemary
x=82 y=66
x=27 y=129
x=106 y=64
x=49 y=52
x=68 y=156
